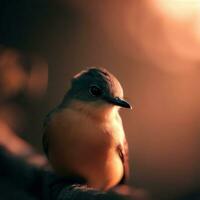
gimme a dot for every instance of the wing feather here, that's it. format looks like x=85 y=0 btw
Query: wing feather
x=123 y=153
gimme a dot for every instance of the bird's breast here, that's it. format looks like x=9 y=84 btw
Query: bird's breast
x=83 y=144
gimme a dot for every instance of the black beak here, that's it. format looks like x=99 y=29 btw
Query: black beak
x=119 y=102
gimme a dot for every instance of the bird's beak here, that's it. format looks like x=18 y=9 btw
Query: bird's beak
x=118 y=101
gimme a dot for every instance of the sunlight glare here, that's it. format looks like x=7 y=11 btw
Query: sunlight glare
x=180 y=9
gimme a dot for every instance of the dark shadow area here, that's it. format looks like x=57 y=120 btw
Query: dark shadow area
x=20 y=180
x=30 y=26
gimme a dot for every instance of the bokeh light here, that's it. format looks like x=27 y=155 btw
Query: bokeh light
x=179 y=9
x=20 y=83
x=152 y=46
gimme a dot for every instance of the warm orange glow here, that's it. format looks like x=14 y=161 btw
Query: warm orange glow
x=180 y=9
x=38 y=79
x=152 y=46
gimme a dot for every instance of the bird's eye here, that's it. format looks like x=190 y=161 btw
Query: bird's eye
x=95 y=91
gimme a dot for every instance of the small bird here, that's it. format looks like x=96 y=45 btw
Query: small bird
x=84 y=135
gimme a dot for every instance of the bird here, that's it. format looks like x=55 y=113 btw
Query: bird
x=84 y=135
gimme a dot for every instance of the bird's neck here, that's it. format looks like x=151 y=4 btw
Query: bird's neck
x=102 y=112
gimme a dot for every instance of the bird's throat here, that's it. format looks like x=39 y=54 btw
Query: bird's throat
x=95 y=110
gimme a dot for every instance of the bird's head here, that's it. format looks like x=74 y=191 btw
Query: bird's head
x=98 y=87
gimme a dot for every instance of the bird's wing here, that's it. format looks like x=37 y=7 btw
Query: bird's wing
x=123 y=153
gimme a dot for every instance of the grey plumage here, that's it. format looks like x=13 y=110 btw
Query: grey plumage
x=98 y=88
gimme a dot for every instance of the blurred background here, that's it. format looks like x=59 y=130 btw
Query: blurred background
x=152 y=46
